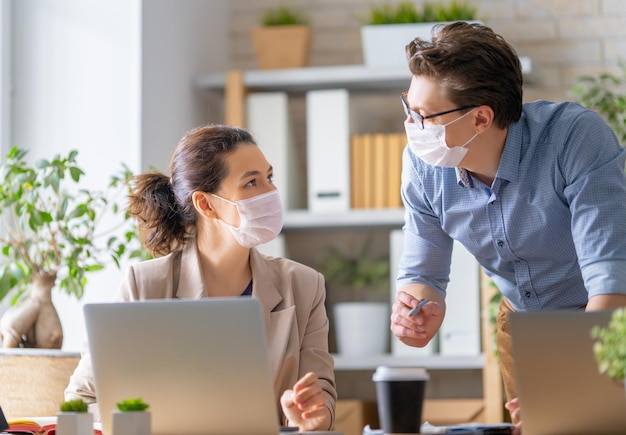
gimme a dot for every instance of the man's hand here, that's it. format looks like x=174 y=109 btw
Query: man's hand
x=419 y=329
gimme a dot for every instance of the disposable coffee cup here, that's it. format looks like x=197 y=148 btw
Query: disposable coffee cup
x=400 y=397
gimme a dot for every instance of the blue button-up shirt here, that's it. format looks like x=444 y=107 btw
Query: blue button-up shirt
x=551 y=229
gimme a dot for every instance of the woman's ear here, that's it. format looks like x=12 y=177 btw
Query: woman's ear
x=202 y=204
x=483 y=118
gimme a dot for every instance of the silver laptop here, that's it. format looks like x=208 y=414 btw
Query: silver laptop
x=201 y=365
x=560 y=389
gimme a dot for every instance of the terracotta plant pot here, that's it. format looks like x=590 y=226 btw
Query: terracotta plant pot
x=280 y=47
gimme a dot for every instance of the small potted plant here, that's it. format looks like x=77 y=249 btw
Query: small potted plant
x=361 y=319
x=387 y=28
x=610 y=348
x=74 y=418
x=283 y=39
x=131 y=418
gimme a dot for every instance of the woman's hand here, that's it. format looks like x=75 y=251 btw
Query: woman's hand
x=305 y=405
x=513 y=407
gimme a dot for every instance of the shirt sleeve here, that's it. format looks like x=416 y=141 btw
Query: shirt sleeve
x=592 y=166
x=427 y=248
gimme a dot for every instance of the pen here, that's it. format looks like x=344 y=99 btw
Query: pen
x=418 y=308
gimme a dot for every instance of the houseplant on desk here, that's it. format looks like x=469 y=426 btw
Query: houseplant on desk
x=610 y=347
x=50 y=238
x=386 y=29
x=74 y=418
x=362 y=318
x=132 y=418
x=283 y=39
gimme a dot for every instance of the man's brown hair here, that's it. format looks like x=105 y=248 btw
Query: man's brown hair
x=474 y=66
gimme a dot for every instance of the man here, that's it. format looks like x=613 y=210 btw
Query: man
x=536 y=191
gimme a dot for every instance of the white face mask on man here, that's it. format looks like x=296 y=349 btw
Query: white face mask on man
x=430 y=144
x=260 y=219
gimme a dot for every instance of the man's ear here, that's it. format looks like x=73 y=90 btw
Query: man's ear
x=483 y=119
x=202 y=204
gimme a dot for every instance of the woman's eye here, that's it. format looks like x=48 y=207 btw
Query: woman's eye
x=251 y=183
x=270 y=178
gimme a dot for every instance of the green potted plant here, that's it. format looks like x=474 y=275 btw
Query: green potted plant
x=605 y=94
x=387 y=28
x=53 y=237
x=74 y=418
x=283 y=39
x=132 y=418
x=610 y=346
x=361 y=319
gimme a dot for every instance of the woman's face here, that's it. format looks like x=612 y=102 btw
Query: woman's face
x=248 y=174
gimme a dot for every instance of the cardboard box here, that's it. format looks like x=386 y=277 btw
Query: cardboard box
x=442 y=412
x=351 y=416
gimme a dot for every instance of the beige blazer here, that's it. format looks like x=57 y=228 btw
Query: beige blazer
x=292 y=298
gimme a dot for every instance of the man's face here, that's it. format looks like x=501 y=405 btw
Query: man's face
x=427 y=98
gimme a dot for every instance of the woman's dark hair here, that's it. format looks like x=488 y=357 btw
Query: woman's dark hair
x=162 y=205
x=474 y=66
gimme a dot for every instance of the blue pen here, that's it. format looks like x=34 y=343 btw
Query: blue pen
x=418 y=308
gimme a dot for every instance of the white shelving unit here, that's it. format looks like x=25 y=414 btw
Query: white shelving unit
x=351 y=77
x=428 y=362
x=303 y=219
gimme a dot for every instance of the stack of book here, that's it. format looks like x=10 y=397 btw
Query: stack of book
x=375 y=168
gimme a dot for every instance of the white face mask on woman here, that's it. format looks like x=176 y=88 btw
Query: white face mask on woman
x=430 y=144
x=260 y=219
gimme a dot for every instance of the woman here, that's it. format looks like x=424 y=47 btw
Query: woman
x=203 y=223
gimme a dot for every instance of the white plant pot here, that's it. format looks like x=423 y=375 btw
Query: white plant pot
x=384 y=45
x=132 y=423
x=74 y=423
x=361 y=328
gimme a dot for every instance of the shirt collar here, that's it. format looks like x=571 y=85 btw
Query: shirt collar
x=512 y=152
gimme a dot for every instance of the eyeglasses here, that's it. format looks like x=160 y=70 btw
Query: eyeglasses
x=419 y=119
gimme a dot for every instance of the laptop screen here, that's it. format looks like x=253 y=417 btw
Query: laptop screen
x=560 y=388
x=201 y=365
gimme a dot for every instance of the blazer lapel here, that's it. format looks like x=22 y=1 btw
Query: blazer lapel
x=279 y=322
x=190 y=279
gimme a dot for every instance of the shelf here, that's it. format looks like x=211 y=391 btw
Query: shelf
x=304 y=219
x=437 y=362
x=350 y=77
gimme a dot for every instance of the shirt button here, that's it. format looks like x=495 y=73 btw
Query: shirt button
x=500 y=243
x=527 y=293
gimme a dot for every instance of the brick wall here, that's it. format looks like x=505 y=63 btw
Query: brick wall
x=563 y=38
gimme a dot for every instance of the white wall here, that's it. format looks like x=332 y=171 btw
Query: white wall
x=181 y=40
x=112 y=79
x=5 y=75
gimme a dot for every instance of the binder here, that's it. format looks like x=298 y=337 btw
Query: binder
x=368 y=170
x=267 y=118
x=460 y=331
x=328 y=150
x=396 y=144
x=357 y=173
x=380 y=174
